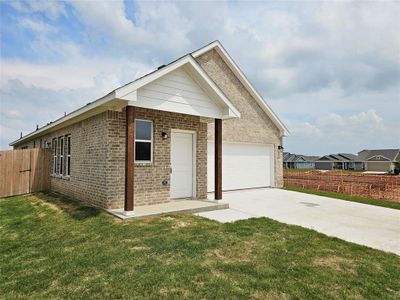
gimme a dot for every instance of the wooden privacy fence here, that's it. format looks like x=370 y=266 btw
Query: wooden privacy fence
x=375 y=186
x=24 y=171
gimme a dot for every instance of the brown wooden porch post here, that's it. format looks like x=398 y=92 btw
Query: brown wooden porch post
x=129 y=158
x=218 y=159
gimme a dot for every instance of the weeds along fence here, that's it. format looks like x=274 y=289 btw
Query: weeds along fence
x=376 y=186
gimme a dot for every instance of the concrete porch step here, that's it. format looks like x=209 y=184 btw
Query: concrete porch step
x=171 y=208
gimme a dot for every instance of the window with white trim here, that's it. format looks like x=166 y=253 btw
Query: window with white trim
x=68 y=163
x=54 y=153
x=61 y=152
x=143 y=141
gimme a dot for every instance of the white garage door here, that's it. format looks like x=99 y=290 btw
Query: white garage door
x=243 y=166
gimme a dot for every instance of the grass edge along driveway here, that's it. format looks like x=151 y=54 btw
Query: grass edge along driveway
x=54 y=247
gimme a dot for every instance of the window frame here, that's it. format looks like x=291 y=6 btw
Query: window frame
x=61 y=153
x=54 y=146
x=151 y=141
x=68 y=156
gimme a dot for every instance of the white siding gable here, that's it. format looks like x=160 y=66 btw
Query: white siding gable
x=177 y=92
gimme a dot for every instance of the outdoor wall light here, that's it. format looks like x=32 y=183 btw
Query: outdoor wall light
x=164 y=135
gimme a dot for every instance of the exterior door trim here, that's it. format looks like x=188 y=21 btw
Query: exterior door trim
x=194 y=155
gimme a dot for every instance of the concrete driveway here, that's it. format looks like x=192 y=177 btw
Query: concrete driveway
x=368 y=225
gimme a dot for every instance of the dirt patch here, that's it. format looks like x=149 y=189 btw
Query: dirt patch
x=168 y=291
x=41 y=215
x=237 y=253
x=14 y=236
x=139 y=248
x=384 y=187
x=273 y=294
x=69 y=249
x=336 y=263
x=131 y=240
x=180 y=224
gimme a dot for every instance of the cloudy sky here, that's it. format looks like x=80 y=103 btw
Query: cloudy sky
x=330 y=70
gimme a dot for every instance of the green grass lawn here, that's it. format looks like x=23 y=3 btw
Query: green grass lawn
x=52 y=247
x=364 y=200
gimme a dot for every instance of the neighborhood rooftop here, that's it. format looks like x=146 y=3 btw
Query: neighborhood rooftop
x=389 y=154
x=380 y=160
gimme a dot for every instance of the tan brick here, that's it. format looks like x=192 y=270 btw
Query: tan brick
x=254 y=126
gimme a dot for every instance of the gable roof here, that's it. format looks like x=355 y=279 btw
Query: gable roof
x=128 y=91
x=332 y=157
x=216 y=45
x=350 y=156
x=389 y=154
x=340 y=157
x=310 y=158
x=127 y=95
x=289 y=157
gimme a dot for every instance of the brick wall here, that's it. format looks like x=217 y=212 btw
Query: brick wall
x=88 y=156
x=98 y=159
x=148 y=180
x=254 y=126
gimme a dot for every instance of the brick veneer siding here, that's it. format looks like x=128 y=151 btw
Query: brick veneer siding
x=98 y=159
x=88 y=160
x=254 y=126
x=149 y=188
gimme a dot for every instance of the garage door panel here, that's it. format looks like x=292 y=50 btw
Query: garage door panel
x=378 y=166
x=243 y=166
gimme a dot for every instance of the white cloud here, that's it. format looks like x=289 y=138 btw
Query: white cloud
x=12 y=114
x=158 y=24
x=331 y=119
x=52 y=8
x=331 y=70
x=38 y=26
x=306 y=129
x=369 y=117
x=53 y=77
x=97 y=74
x=335 y=133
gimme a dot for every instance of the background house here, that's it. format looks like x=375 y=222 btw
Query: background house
x=298 y=161
x=381 y=160
x=377 y=160
x=340 y=161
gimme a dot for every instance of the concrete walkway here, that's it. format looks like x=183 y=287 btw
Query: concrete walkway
x=368 y=225
x=170 y=208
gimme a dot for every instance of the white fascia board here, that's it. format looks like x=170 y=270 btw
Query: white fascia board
x=81 y=112
x=129 y=91
x=243 y=79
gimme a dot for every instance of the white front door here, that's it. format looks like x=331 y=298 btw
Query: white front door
x=182 y=165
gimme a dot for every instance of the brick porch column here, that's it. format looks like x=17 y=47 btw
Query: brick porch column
x=129 y=159
x=218 y=159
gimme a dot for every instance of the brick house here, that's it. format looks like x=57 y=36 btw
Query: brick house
x=190 y=127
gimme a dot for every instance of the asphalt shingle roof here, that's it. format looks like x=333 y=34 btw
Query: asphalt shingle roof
x=391 y=154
